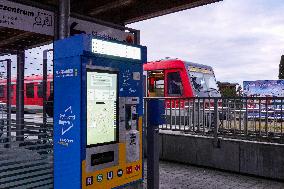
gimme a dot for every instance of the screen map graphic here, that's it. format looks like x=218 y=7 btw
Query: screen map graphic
x=101 y=107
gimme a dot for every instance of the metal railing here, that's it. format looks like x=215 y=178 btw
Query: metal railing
x=26 y=132
x=247 y=118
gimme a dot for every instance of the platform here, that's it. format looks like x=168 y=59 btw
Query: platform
x=179 y=176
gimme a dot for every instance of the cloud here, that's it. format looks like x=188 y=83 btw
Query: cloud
x=241 y=40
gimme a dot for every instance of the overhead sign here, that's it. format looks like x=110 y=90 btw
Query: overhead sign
x=22 y=17
x=115 y=49
x=78 y=26
x=31 y=19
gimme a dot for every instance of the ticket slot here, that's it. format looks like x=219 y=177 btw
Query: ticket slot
x=101 y=158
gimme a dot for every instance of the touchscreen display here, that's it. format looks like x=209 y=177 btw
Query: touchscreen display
x=101 y=107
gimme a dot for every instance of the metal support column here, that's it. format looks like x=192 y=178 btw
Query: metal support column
x=155 y=110
x=64 y=17
x=216 y=123
x=44 y=91
x=8 y=106
x=137 y=37
x=20 y=122
x=8 y=145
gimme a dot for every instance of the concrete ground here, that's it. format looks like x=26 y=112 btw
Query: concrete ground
x=179 y=176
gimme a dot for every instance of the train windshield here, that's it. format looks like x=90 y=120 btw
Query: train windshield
x=204 y=82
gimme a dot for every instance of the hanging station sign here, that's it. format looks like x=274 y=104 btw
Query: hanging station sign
x=26 y=18
x=22 y=17
x=78 y=26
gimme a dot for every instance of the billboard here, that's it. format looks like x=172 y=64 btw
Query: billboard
x=264 y=88
x=270 y=108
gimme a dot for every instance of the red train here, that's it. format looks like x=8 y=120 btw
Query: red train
x=33 y=92
x=165 y=78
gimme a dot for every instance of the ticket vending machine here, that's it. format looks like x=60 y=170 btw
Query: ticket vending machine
x=97 y=113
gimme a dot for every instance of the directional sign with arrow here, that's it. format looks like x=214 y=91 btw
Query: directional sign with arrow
x=74 y=31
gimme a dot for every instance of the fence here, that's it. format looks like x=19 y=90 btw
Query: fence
x=255 y=118
x=26 y=132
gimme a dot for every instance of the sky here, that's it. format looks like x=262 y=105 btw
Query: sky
x=242 y=40
x=33 y=62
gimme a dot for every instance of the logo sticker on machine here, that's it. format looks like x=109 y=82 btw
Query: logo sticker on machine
x=89 y=181
x=100 y=178
x=119 y=172
x=129 y=170
x=132 y=146
x=66 y=121
x=66 y=73
x=110 y=175
x=137 y=167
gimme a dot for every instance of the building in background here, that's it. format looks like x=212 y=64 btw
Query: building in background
x=229 y=89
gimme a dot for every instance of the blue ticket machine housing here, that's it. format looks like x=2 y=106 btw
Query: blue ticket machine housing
x=98 y=107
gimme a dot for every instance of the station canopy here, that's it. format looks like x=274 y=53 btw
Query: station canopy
x=129 y=11
x=120 y=12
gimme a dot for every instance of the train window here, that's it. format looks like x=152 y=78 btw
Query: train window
x=51 y=87
x=40 y=90
x=2 y=93
x=174 y=84
x=30 y=90
x=156 y=83
x=12 y=91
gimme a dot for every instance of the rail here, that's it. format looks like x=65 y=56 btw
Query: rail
x=246 y=118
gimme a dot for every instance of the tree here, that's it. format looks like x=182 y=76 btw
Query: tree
x=228 y=89
x=281 y=68
x=228 y=92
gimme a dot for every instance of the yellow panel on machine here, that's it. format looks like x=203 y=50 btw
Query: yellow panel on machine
x=115 y=176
